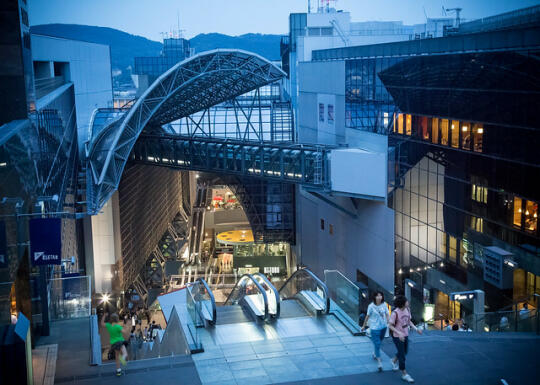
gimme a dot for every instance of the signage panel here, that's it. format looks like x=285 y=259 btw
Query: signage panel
x=45 y=241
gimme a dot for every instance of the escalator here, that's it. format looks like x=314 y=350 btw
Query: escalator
x=255 y=299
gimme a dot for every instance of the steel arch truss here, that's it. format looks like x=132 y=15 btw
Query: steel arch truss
x=192 y=85
x=293 y=163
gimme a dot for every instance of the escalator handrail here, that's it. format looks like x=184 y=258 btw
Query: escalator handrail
x=274 y=290
x=212 y=299
x=319 y=282
x=263 y=292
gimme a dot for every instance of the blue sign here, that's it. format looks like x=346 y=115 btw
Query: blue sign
x=45 y=241
x=3 y=245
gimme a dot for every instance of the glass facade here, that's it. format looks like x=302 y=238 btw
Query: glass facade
x=174 y=51
x=463 y=134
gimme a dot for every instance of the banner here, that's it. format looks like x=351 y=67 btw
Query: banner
x=3 y=245
x=46 y=241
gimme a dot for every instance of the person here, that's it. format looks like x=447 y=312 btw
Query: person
x=116 y=338
x=377 y=319
x=447 y=325
x=145 y=333
x=504 y=324
x=399 y=324
x=455 y=327
x=524 y=312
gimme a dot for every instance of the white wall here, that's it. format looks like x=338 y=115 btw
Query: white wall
x=90 y=71
x=365 y=242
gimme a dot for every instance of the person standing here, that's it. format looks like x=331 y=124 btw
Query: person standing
x=377 y=320
x=116 y=339
x=399 y=324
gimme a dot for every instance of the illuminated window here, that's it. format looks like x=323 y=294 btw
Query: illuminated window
x=517 y=211
x=478 y=132
x=409 y=124
x=435 y=130
x=479 y=193
x=531 y=216
x=454 y=130
x=400 y=123
x=444 y=132
x=452 y=248
x=321 y=112
x=424 y=127
x=465 y=136
x=477 y=224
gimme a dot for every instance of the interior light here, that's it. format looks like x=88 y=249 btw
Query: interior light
x=535 y=215
x=105 y=298
x=410 y=284
x=418 y=269
x=441 y=281
x=452 y=126
x=411 y=270
x=464 y=129
x=480 y=130
x=400 y=271
x=442 y=264
x=527 y=212
x=519 y=210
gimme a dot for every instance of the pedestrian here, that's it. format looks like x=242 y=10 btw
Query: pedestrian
x=377 y=320
x=422 y=325
x=116 y=338
x=399 y=324
x=447 y=325
x=145 y=333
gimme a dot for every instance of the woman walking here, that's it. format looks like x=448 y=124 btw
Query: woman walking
x=377 y=320
x=116 y=339
x=399 y=324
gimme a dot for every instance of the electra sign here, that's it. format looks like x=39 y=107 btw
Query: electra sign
x=45 y=241
x=464 y=295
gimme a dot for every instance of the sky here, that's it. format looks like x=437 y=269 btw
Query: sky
x=149 y=18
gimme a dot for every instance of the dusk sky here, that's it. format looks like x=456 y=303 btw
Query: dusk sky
x=235 y=17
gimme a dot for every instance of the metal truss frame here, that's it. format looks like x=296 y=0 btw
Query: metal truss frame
x=193 y=85
x=307 y=165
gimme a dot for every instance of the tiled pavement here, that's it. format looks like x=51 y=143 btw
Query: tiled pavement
x=269 y=354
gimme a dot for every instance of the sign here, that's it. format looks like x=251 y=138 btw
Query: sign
x=463 y=295
x=45 y=241
x=3 y=245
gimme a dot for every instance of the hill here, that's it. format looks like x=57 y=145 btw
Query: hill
x=125 y=47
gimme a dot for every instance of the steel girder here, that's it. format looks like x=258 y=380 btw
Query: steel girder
x=294 y=163
x=192 y=85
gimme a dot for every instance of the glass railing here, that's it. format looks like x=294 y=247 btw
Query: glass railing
x=505 y=321
x=250 y=292
x=307 y=287
x=271 y=293
x=193 y=321
x=343 y=292
x=203 y=295
x=70 y=297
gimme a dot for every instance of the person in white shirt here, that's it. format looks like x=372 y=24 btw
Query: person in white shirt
x=524 y=312
x=377 y=319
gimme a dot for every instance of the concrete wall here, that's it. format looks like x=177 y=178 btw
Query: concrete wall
x=365 y=243
x=89 y=70
x=321 y=83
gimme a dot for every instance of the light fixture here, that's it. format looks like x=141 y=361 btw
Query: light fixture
x=464 y=128
x=526 y=212
x=196 y=176
x=480 y=130
x=442 y=264
x=418 y=269
x=410 y=284
x=400 y=271
x=519 y=210
x=441 y=281
x=105 y=298
x=535 y=215
x=411 y=270
x=452 y=126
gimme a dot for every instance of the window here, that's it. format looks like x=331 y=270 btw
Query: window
x=517 y=211
x=322 y=224
x=409 y=124
x=465 y=136
x=331 y=229
x=531 y=216
x=455 y=133
x=330 y=114
x=452 y=248
x=400 y=123
x=321 y=112
x=477 y=132
x=435 y=130
x=444 y=132
x=479 y=193
x=477 y=224
x=424 y=127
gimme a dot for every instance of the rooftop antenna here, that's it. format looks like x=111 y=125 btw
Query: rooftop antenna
x=308 y=6
x=425 y=13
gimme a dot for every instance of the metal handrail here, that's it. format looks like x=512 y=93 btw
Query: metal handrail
x=317 y=280
x=212 y=299
x=263 y=292
x=274 y=290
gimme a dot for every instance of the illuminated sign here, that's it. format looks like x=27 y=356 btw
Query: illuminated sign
x=462 y=296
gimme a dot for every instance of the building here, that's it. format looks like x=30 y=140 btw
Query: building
x=455 y=116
